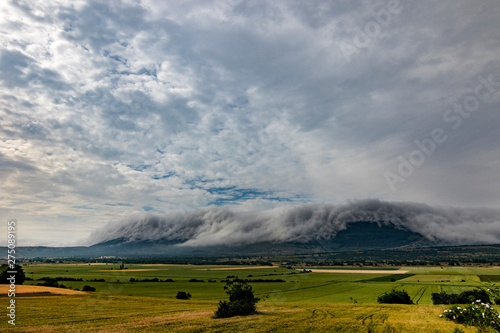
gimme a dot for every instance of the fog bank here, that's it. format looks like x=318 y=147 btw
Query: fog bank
x=304 y=223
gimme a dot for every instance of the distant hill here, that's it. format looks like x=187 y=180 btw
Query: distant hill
x=357 y=236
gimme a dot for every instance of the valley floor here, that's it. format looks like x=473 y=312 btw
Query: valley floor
x=110 y=314
x=290 y=300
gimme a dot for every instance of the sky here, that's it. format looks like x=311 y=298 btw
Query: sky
x=112 y=109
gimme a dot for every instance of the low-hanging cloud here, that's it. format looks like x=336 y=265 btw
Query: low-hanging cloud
x=304 y=223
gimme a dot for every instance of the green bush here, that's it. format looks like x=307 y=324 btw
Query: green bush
x=224 y=310
x=472 y=296
x=88 y=288
x=20 y=276
x=444 y=298
x=241 y=301
x=395 y=297
x=49 y=282
x=462 y=298
x=183 y=295
x=477 y=314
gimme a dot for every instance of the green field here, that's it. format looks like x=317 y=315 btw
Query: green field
x=315 y=302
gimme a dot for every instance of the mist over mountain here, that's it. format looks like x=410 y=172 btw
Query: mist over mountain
x=216 y=226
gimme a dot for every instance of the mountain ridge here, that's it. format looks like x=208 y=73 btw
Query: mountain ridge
x=356 y=237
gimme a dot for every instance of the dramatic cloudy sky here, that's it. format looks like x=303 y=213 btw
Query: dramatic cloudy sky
x=115 y=108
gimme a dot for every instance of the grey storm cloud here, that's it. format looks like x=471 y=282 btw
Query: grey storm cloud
x=304 y=223
x=179 y=105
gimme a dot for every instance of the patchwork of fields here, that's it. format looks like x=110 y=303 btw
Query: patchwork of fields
x=324 y=299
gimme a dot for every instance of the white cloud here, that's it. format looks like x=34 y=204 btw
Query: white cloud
x=305 y=223
x=167 y=104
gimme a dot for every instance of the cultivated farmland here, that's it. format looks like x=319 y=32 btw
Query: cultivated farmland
x=292 y=299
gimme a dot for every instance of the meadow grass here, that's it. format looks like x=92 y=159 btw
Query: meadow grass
x=145 y=314
x=315 y=302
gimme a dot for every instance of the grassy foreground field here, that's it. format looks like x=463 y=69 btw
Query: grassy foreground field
x=316 y=302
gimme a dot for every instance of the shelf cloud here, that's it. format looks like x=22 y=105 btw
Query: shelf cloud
x=304 y=223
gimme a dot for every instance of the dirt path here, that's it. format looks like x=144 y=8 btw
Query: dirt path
x=232 y=268
x=357 y=271
x=21 y=289
x=134 y=270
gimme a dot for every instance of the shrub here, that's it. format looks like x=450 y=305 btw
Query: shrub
x=472 y=296
x=196 y=280
x=88 y=288
x=49 y=282
x=497 y=301
x=59 y=278
x=444 y=298
x=241 y=301
x=478 y=314
x=183 y=295
x=462 y=298
x=395 y=297
x=224 y=310
x=20 y=276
